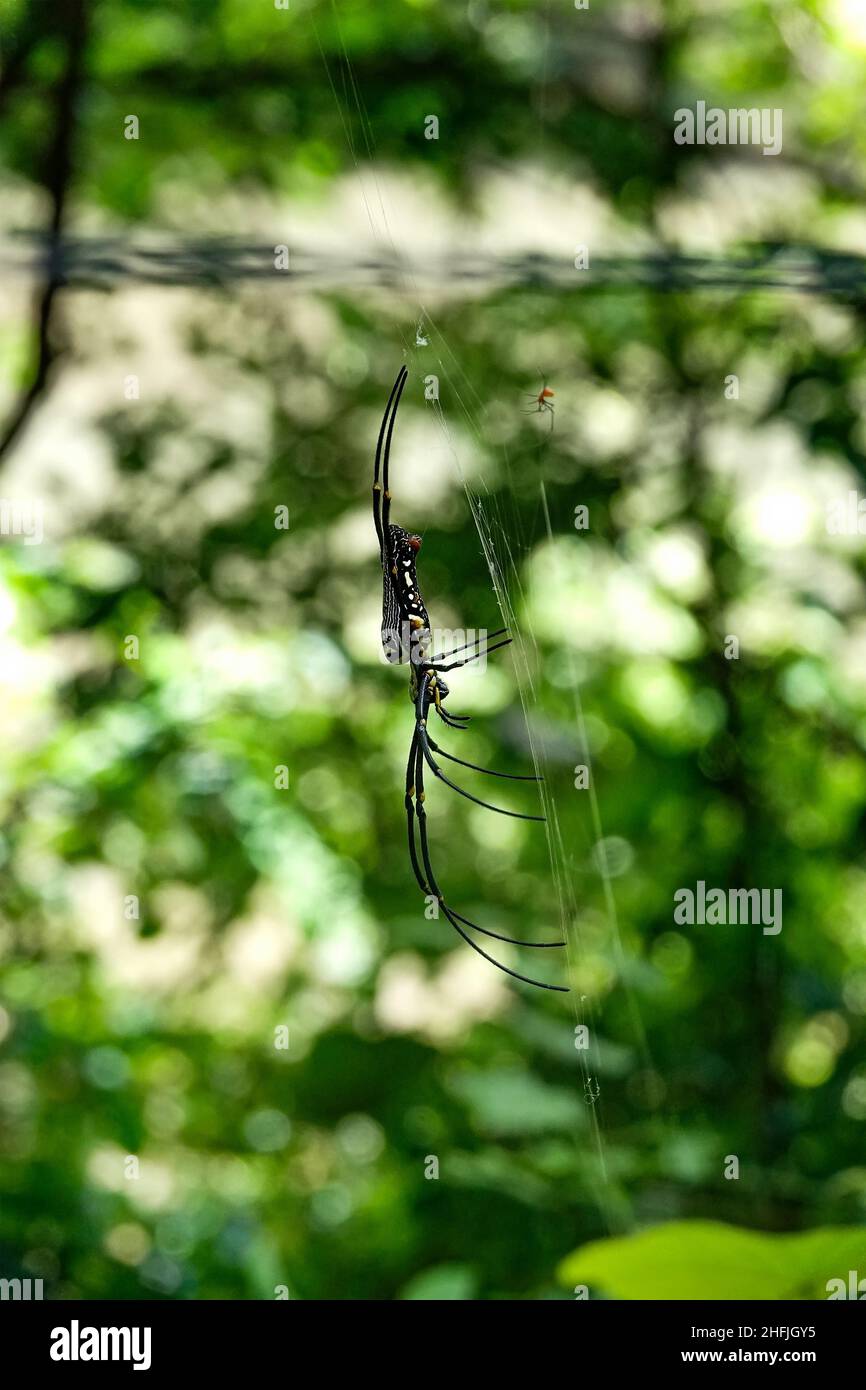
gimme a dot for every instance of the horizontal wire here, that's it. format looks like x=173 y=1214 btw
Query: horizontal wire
x=102 y=261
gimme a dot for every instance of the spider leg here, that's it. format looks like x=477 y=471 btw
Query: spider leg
x=510 y=940
x=452 y=665
x=453 y=917
x=454 y=721
x=422 y=882
x=410 y=815
x=379 y=516
x=437 y=772
x=382 y=514
x=491 y=772
x=488 y=637
x=386 y=459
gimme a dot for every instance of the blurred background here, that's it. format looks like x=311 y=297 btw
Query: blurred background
x=237 y=1059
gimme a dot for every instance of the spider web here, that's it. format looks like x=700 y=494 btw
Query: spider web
x=503 y=547
x=498 y=527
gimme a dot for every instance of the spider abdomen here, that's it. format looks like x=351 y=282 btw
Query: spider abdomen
x=405 y=621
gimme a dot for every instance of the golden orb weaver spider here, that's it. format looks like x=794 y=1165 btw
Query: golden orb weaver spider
x=407 y=637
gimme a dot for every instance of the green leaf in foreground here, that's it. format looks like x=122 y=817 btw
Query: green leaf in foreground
x=707 y=1260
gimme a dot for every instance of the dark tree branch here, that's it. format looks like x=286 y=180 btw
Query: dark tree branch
x=72 y=16
x=36 y=23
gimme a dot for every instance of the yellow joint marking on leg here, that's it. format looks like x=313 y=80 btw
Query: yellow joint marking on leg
x=387 y=494
x=422 y=796
x=377 y=487
x=411 y=791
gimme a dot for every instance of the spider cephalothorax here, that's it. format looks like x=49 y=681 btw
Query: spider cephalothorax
x=407 y=637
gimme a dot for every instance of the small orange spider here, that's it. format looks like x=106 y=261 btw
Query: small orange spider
x=542 y=401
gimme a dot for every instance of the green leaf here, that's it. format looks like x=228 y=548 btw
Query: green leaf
x=708 y=1260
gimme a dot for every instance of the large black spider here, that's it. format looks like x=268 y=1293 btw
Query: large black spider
x=407 y=637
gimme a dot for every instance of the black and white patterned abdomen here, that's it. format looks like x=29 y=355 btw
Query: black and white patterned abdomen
x=403 y=613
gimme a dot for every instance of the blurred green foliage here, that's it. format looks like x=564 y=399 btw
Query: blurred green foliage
x=167 y=909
